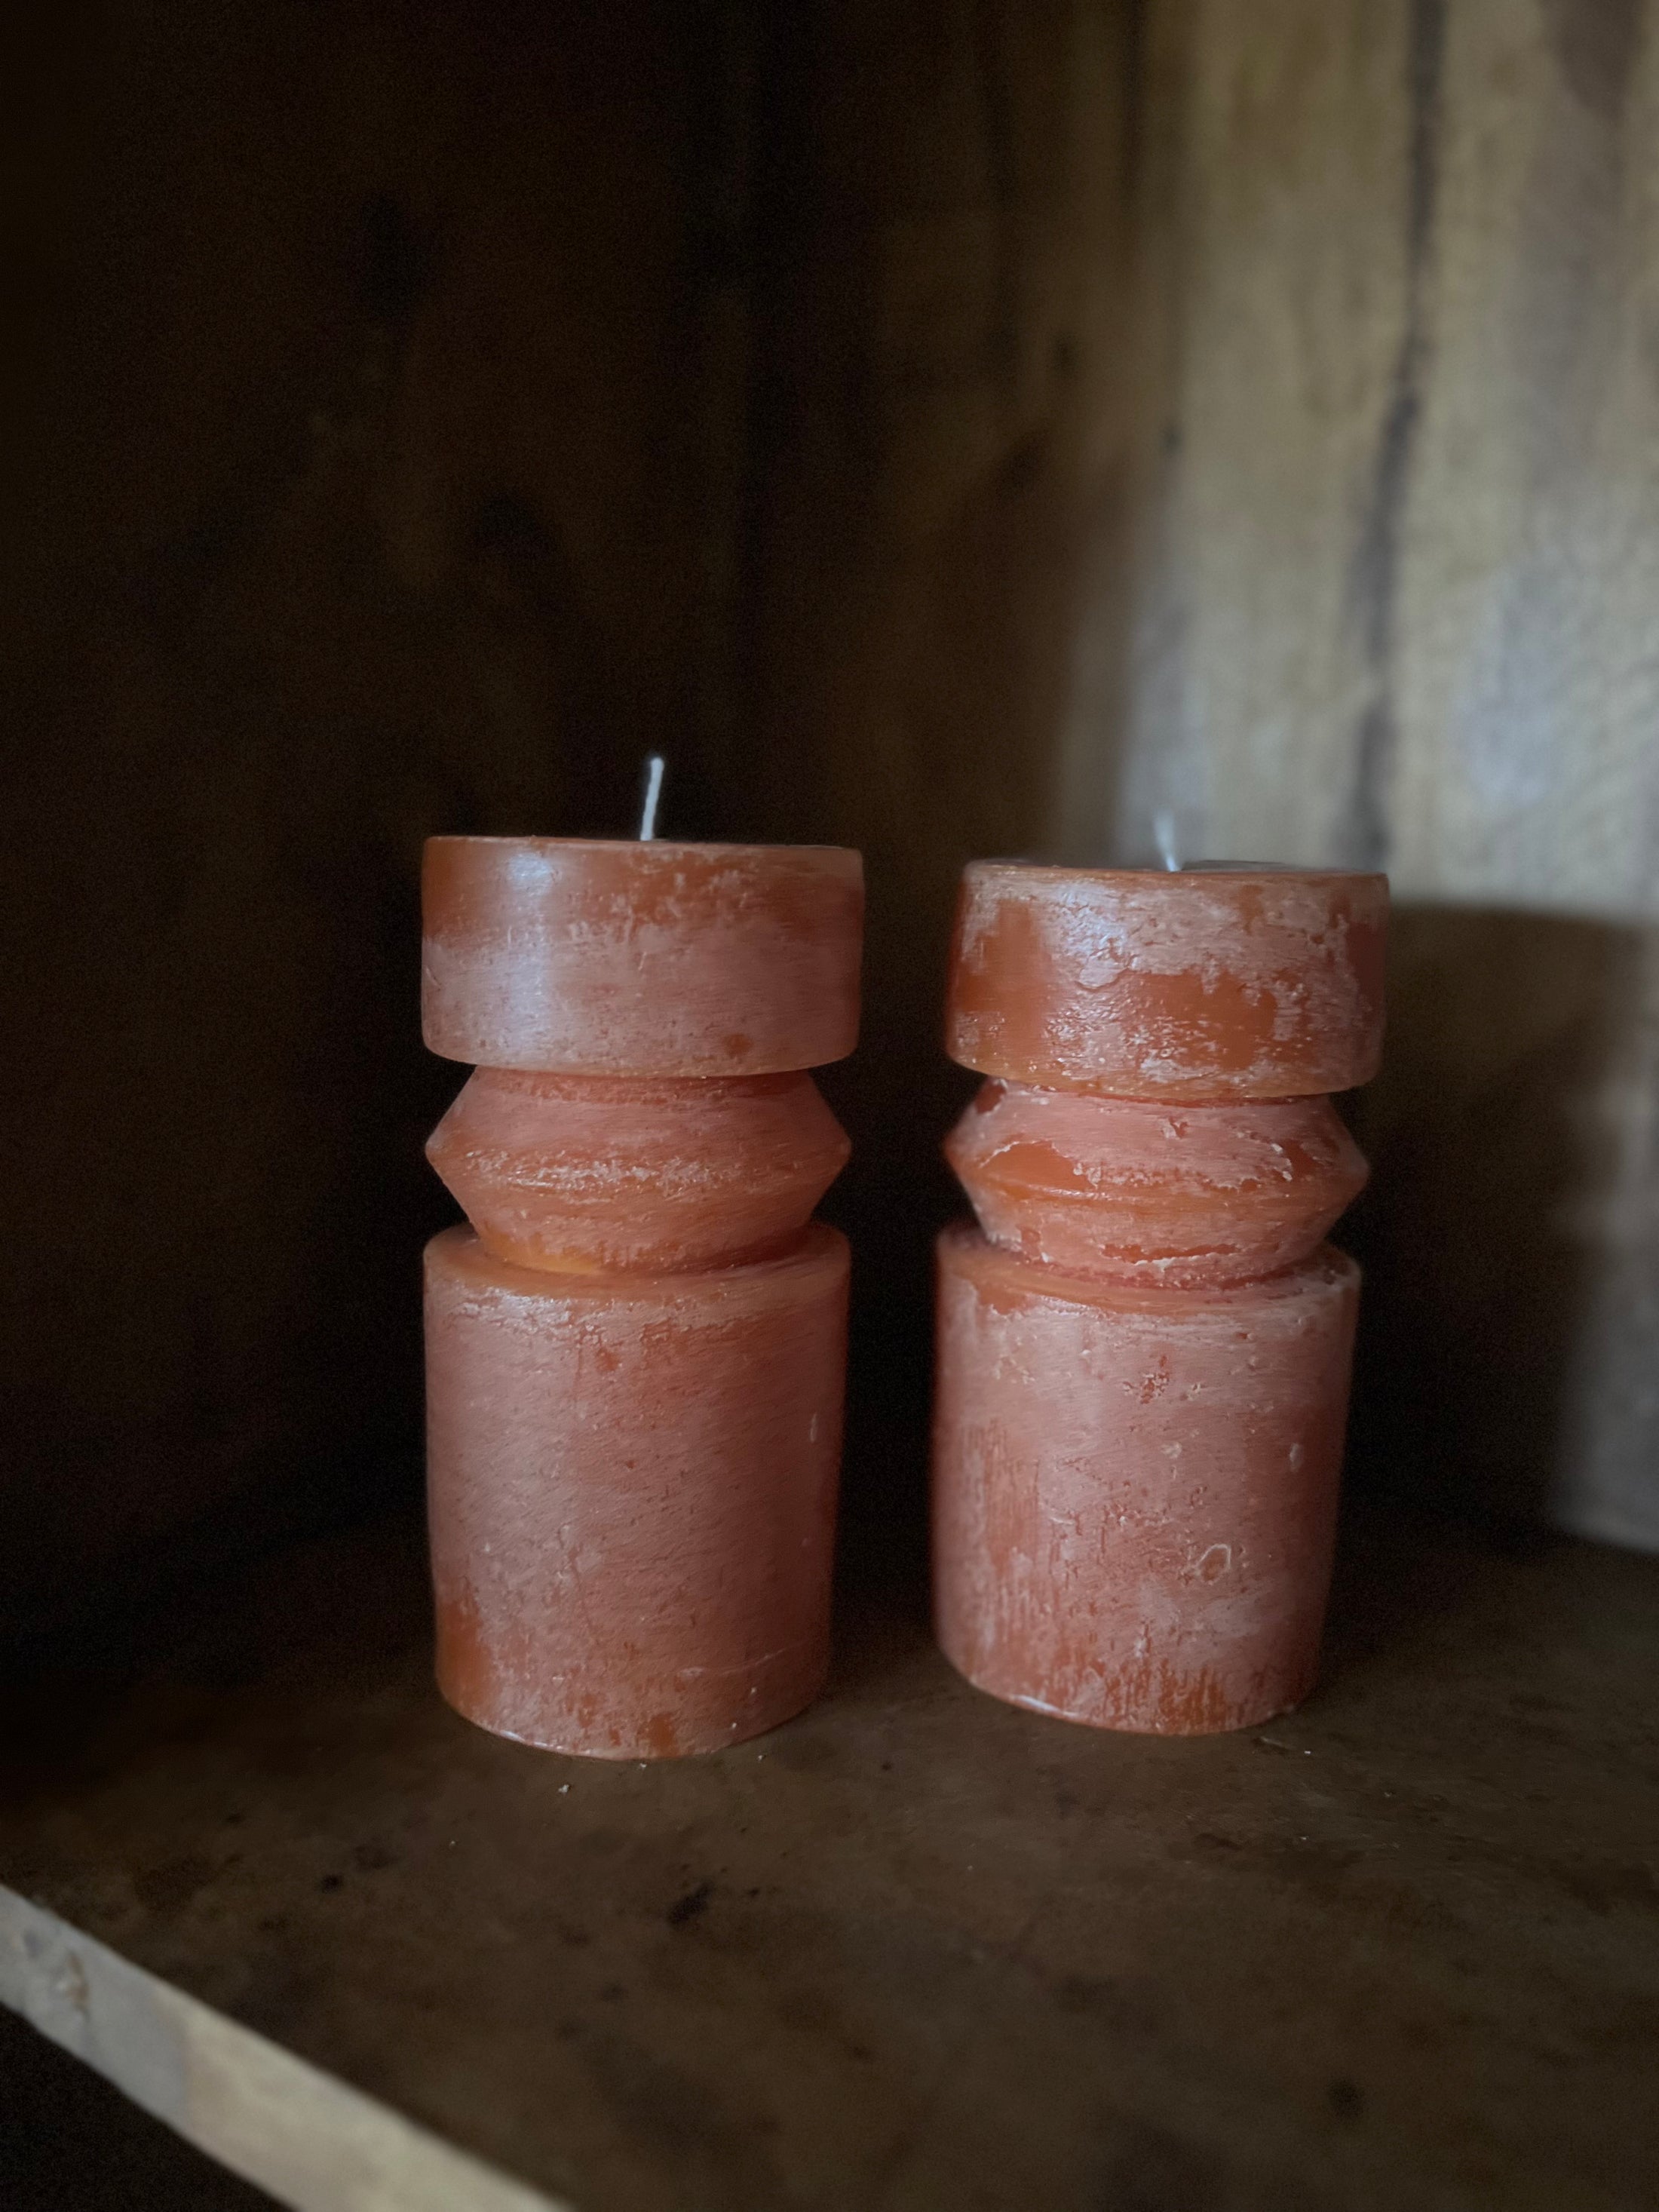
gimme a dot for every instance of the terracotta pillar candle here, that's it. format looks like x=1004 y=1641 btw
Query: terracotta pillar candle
x=1145 y=1347
x=635 y=1355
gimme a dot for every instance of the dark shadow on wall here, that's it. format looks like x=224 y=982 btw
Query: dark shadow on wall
x=358 y=491
x=433 y=410
x=938 y=213
x=1498 y=1375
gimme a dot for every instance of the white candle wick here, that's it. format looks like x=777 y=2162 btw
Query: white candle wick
x=1163 y=829
x=653 y=774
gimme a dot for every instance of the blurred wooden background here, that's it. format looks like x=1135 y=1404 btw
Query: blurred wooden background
x=967 y=428
x=1396 y=554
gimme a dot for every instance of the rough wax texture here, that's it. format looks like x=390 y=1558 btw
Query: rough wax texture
x=635 y=1357
x=1180 y=1196
x=574 y=1171
x=1136 y=1492
x=1192 y=984
x=1144 y=1359
x=579 y=957
x=633 y=1495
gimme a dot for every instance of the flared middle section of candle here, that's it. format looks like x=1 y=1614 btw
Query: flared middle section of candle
x=577 y=1174
x=1158 y=1195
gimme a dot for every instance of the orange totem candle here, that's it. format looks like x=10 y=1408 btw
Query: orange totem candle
x=635 y=1354
x=1145 y=1348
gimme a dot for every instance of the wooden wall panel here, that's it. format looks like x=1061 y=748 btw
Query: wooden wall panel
x=1396 y=495
x=1272 y=217
x=941 y=254
x=431 y=410
x=379 y=402
x=970 y=428
x=1526 y=768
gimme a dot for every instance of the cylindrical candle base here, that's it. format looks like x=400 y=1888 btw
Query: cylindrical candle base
x=1134 y=1490
x=632 y=1485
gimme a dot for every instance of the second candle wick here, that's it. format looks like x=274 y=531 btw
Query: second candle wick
x=653 y=774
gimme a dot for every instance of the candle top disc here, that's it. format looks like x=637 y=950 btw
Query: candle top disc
x=600 y=956
x=1201 y=984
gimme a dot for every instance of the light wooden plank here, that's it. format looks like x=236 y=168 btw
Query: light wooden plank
x=1398 y=488
x=309 y=2138
x=1273 y=274
x=1528 y=680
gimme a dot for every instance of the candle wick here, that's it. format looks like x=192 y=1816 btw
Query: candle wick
x=1163 y=829
x=653 y=774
